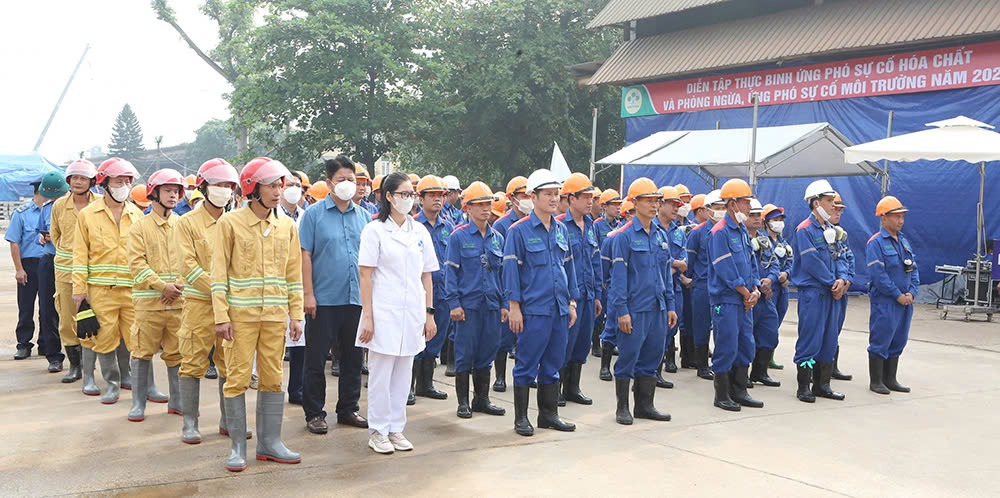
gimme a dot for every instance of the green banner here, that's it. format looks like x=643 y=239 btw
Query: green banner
x=636 y=102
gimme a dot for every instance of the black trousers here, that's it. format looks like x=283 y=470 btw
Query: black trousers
x=49 y=343
x=332 y=324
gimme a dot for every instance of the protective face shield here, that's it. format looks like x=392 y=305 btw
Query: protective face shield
x=345 y=190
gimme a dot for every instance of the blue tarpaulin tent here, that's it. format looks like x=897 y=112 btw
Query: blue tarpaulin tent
x=17 y=173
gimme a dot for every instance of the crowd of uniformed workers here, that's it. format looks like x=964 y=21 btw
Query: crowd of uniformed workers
x=229 y=272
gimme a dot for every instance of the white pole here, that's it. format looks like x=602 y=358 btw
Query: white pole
x=593 y=143
x=753 y=147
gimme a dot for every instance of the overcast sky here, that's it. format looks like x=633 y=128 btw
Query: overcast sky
x=134 y=58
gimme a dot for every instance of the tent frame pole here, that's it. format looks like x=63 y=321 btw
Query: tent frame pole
x=593 y=143
x=886 y=181
x=753 y=146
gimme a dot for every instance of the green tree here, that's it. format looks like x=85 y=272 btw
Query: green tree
x=213 y=139
x=126 y=135
x=496 y=93
x=337 y=71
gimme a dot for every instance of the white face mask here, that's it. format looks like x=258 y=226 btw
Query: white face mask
x=740 y=217
x=683 y=211
x=119 y=194
x=525 y=206
x=776 y=226
x=219 y=196
x=402 y=206
x=292 y=195
x=187 y=194
x=822 y=213
x=715 y=215
x=345 y=190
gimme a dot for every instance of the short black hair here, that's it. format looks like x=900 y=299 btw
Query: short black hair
x=338 y=163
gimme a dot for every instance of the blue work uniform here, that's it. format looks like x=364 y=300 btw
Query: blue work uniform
x=732 y=266
x=539 y=273
x=610 y=332
x=587 y=262
x=814 y=272
x=183 y=207
x=641 y=287
x=453 y=213
x=369 y=206
x=677 y=241
x=845 y=270
x=440 y=232
x=889 y=322
x=603 y=227
x=472 y=282
x=785 y=265
x=502 y=225
x=765 y=312
x=698 y=264
x=23 y=231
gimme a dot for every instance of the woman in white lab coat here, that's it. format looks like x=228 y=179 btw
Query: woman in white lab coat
x=396 y=259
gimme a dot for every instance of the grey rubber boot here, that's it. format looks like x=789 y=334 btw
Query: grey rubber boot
x=223 y=428
x=190 y=397
x=87 y=365
x=153 y=394
x=73 y=355
x=112 y=376
x=138 y=411
x=270 y=412
x=124 y=365
x=174 y=388
x=236 y=421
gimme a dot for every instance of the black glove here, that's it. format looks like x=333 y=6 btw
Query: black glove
x=86 y=321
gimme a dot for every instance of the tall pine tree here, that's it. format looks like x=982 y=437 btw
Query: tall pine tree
x=126 y=135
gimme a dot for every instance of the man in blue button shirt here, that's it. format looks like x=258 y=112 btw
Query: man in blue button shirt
x=587 y=261
x=330 y=235
x=733 y=291
x=642 y=295
x=432 y=191
x=894 y=283
x=540 y=281
x=26 y=251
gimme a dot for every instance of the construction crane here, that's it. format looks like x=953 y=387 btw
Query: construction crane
x=59 y=102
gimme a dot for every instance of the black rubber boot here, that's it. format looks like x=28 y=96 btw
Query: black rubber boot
x=73 y=353
x=563 y=377
x=481 y=399
x=889 y=376
x=668 y=358
x=595 y=341
x=759 y=372
x=804 y=376
x=660 y=381
x=701 y=353
x=571 y=390
x=644 y=408
x=500 y=364
x=722 y=399
x=821 y=382
x=606 y=350
x=738 y=380
x=837 y=374
x=425 y=383
x=548 y=409
x=124 y=366
x=462 y=392
x=522 y=425
x=411 y=398
x=687 y=352
x=449 y=370
x=622 y=415
x=876 y=384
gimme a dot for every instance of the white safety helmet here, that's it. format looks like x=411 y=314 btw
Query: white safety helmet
x=451 y=183
x=542 y=178
x=755 y=206
x=713 y=197
x=819 y=188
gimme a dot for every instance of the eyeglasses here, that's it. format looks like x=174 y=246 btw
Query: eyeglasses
x=405 y=195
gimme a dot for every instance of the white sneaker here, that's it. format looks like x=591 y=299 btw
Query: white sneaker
x=400 y=442
x=379 y=443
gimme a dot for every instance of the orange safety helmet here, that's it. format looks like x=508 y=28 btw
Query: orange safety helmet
x=414 y=179
x=837 y=201
x=190 y=182
x=318 y=191
x=627 y=206
x=361 y=172
x=499 y=206
x=889 y=205
x=377 y=183
x=642 y=187
x=697 y=202
x=670 y=194
x=476 y=192
x=610 y=195
x=304 y=178
x=516 y=184
x=771 y=208
x=597 y=193
x=577 y=183
x=682 y=190
x=735 y=189
x=431 y=183
x=139 y=196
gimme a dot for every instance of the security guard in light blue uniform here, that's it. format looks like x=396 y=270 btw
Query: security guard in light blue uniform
x=668 y=221
x=845 y=269
x=475 y=300
x=642 y=293
x=816 y=275
x=587 y=261
x=894 y=282
x=539 y=279
x=516 y=195
x=698 y=264
x=733 y=291
x=765 y=314
x=774 y=222
x=440 y=230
